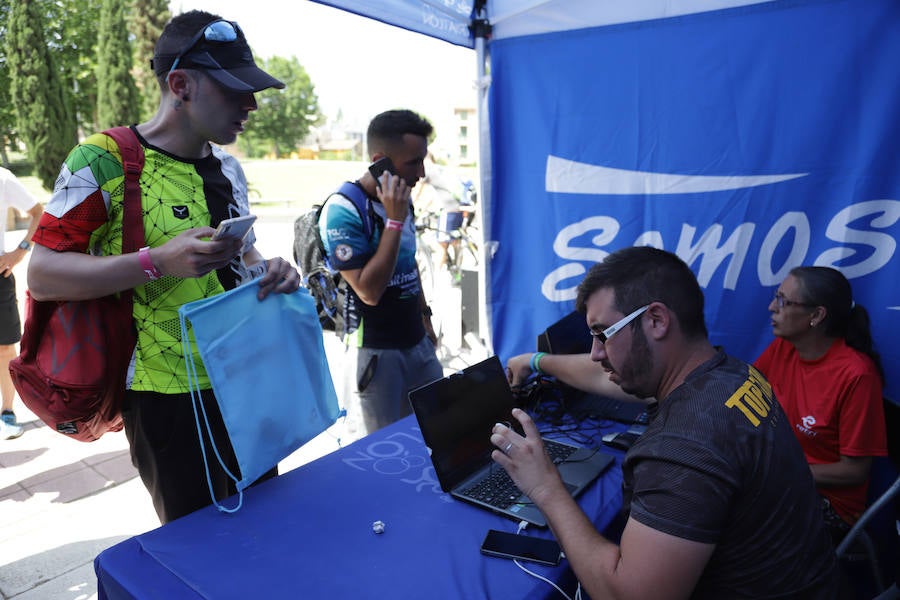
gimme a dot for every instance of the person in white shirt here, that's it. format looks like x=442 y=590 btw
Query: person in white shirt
x=12 y=194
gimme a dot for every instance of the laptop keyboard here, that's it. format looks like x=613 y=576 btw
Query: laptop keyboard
x=498 y=489
x=558 y=452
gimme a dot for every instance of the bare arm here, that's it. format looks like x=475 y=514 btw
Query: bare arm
x=577 y=370
x=78 y=276
x=34 y=213
x=370 y=281
x=648 y=563
x=11 y=259
x=849 y=470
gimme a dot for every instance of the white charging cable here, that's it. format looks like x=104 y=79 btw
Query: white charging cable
x=522 y=526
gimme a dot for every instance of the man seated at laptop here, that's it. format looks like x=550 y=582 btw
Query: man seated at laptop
x=719 y=499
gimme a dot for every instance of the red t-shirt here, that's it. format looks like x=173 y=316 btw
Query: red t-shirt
x=834 y=405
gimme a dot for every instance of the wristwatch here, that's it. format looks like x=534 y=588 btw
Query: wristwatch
x=24 y=245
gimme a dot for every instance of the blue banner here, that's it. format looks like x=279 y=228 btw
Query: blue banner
x=748 y=141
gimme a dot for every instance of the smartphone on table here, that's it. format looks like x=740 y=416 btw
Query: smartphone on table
x=522 y=547
x=235 y=228
x=380 y=166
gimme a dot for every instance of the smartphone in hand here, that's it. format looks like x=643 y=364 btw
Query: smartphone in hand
x=380 y=166
x=235 y=228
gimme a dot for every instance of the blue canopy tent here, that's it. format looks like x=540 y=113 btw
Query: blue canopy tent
x=748 y=137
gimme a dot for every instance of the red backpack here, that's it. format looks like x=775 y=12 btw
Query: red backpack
x=74 y=355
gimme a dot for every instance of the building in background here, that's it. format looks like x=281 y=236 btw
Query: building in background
x=456 y=143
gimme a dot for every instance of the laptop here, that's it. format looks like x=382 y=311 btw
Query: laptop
x=456 y=415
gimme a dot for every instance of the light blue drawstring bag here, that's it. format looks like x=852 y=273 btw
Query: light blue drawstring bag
x=267 y=365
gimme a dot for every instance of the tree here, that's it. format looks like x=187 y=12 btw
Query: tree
x=71 y=27
x=44 y=118
x=285 y=116
x=7 y=110
x=70 y=32
x=146 y=20
x=7 y=114
x=117 y=95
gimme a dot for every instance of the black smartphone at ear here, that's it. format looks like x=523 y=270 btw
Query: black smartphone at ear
x=522 y=547
x=380 y=166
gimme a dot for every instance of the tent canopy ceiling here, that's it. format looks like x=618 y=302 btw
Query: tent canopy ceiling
x=449 y=20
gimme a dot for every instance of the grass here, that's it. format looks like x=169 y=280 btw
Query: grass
x=297 y=183
x=293 y=183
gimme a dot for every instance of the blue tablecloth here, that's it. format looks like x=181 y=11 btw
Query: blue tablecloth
x=308 y=533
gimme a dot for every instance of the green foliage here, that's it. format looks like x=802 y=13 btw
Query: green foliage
x=146 y=20
x=284 y=117
x=61 y=78
x=7 y=110
x=71 y=27
x=117 y=95
x=70 y=33
x=44 y=117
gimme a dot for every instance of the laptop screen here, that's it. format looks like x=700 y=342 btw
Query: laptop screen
x=456 y=415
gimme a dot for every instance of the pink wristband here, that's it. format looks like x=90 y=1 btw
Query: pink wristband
x=395 y=225
x=147 y=264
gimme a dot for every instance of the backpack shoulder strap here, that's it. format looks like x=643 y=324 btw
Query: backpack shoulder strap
x=132 y=164
x=362 y=203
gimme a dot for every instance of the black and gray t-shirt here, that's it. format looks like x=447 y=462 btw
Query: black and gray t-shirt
x=719 y=464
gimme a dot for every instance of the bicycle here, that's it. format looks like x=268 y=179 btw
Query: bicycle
x=439 y=281
x=462 y=250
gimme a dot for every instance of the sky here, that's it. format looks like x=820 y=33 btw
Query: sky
x=357 y=65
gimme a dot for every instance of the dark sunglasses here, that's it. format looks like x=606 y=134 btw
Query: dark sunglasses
x=218 y=31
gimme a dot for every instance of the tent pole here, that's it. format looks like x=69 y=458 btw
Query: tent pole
x=481 y=30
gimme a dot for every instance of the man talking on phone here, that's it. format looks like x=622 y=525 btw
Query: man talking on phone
x=389 y=336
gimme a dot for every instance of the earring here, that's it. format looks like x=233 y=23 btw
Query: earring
x=812 y=323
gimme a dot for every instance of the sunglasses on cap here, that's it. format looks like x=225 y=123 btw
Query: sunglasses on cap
x=220 y=31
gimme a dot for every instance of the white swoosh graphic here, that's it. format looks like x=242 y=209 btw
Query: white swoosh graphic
x=570 y=177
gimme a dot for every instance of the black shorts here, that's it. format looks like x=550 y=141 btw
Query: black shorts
x=165 y=448
x=10 y=324
x=449 y=222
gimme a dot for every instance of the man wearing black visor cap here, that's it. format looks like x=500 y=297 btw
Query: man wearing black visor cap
x=189 y=184
x=220 y=49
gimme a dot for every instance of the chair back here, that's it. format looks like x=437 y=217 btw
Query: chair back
x=877 y=531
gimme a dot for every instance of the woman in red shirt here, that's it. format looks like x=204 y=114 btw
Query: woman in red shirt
x=828 y=378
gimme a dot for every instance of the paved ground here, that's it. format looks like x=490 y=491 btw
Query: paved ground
x=62 y=502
